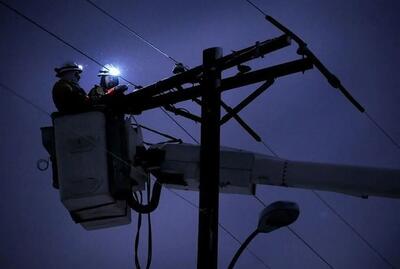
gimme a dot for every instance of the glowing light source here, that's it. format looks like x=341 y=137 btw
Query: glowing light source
x=80 y=67
x=114 y=71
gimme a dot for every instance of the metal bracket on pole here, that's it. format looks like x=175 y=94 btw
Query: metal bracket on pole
x=207 y=255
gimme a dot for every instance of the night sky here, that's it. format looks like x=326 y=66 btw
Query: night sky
x=301 y=117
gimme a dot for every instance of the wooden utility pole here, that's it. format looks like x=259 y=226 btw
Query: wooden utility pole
x=207 y=255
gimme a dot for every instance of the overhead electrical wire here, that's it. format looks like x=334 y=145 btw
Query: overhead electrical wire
x=379 y=126
x=59 y=38
x=247 y=249
x=309 y=246
x=85 y=55
x=354 y=230
x=230 y=234
x=37 y=107
x=183 y=128
x=301 y=239
x=153 y=46
x=139 y=36
x=40 y=109
x=331 y=208
x=369 y=117
x=94 y=60
x=264 y=143
x=319 y=196
x=139 y=199
x=136 y=34
x=150 y=44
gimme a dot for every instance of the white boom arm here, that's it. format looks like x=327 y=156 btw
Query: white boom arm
x=91 y=153
x=241 y=170
x=347 y=179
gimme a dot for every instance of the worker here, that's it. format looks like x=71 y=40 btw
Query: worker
x=68 y=96
x=109 y=89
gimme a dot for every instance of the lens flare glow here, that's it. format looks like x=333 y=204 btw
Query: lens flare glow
x=114 y=71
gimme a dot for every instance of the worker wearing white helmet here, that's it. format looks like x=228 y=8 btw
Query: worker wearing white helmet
x=109 y=85
x=68 y=96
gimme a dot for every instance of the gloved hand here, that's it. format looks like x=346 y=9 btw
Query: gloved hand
x=117 y=90
x=121 y=88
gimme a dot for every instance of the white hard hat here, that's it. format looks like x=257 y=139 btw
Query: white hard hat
x=70 y=66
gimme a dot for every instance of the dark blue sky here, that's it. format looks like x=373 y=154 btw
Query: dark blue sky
x=301 y=117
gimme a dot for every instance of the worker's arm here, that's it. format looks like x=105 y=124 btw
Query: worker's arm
x=117 y=90
x=70 y=99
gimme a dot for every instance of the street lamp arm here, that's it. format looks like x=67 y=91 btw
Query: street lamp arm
x=241 y=248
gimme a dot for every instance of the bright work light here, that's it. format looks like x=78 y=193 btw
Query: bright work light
x=114 y=71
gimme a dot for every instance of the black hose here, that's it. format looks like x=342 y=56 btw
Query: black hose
x=137 y=238
x=150 y=239
x=152 y=205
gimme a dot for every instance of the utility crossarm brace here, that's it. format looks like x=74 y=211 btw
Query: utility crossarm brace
x=230 y=112
x=227 y=108
x=245 y=126
x=246 y=101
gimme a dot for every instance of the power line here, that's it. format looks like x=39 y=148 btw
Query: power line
x=354 y=230
x=81 y=52
x=177 y=123
x=94 y=60
x=150 y=44
x=132 y=31
x=40 y=109
x=97 y=62
x=377 y=125
x=58 y=38
x=136 y=34
x=256 y=7
x=265 y=145
x=139 y=36
x=309 y=246
x=369 y=117
x=300 y=238
x=338 y=215
x=26 y=100
x=229 y=233
x=269 y=148
x=37 y=107
x=247 y=249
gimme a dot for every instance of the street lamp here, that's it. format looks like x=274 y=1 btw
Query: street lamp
x=274 y=216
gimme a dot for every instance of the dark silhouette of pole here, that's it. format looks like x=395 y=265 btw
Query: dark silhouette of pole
x=207 y=255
